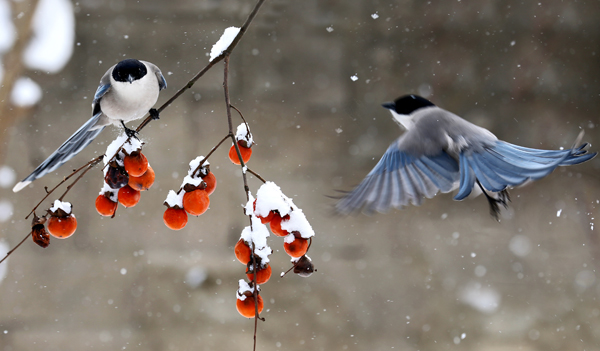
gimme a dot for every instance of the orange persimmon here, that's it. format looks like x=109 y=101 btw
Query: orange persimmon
x=62 y=227
x=211 y=183
x=246 y=307
x=276 y=225
x=175 y=218
x=262 y=276
x=105 y=206
x=196 y=202
x=143 y=182
x=128 y=196
x=296 y=248
x=242 y=251
x=135 y=164
x=246 y=152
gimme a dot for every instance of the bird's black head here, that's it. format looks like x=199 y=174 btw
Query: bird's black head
x=407 y=104
x=129 y=70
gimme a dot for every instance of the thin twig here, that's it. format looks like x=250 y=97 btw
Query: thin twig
x=210 y=153
x=255 y=174
x=16 y=247
x=90 y=166
x=91 y=163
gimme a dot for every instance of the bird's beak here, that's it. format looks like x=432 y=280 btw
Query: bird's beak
x=130 y=79
x=389 y=105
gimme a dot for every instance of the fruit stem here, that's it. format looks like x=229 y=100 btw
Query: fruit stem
x=16 y=247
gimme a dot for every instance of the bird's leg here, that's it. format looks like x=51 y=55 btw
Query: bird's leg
x=503 y=198
x=131 y=133
x=154 y=113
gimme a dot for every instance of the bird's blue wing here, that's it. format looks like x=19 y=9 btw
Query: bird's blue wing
x=503 y=164
x=162 y=82
x=102 y=89
x=400 y=178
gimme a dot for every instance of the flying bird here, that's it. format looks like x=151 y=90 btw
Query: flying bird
x=127 y=91
x=440 y=151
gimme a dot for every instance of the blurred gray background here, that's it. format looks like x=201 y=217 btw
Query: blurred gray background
x=443 y=276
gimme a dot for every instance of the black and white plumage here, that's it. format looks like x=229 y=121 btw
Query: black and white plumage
x=442 y=152
x=126 y=92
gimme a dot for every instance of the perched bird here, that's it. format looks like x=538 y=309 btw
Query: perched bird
x=442 y=152
x=127 y=91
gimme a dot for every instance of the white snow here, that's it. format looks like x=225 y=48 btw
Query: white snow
x=26 y=92
x=269 y=197
x=483 y=299
x=112 y=149
x=51 y=44
x=375 y=16
x=223 y=43
x=195 y=276
x=520 y=245
x=243 y=133
x=195 y=181
x=299 y=223
x=134 y=144
x=257 y=234
x=7 y=176
x=65 y=206
x=242 y=288
x=7 y=29
x=4 y=248
x=195 y=163
x=354 y=78
x=6 y=210
x=558 y=213
x=114 y=193
x=173 y=199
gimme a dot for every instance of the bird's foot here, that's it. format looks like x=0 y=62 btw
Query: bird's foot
x=154 y=113
x=131 y=133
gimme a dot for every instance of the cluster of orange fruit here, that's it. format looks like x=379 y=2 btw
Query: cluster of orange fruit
x=192 y=198
x=61 y=224
x=125 y=178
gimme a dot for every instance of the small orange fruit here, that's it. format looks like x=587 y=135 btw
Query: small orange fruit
x=242 y=251
x=105 y=206
x=211 y=183
x=128 y=196
x=246 y=307
x=143 y=182
x=135 y=164
x=175 y=218
x=62 y=227
x=276 y=225
x=262 y=276
x=296 y=248
x=196 y=202
x=246 y=152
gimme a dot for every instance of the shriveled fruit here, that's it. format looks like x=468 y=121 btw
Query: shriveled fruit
x=62 y=227
x=242 y=251
x=105 y=206
x=175 y=218
x=246 y=307
x=128 y=196
x=135 y=164
x=39 y=235
x=143 y=182
x=276 y=225
x=296 y=248
x=262 y=276
x=211 y=183
x=304 y=267
x=196 y=202
x=116 y=177
x=246 y=152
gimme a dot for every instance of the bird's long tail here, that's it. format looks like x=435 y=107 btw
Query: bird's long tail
x=504 y=164
x=79 y=140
